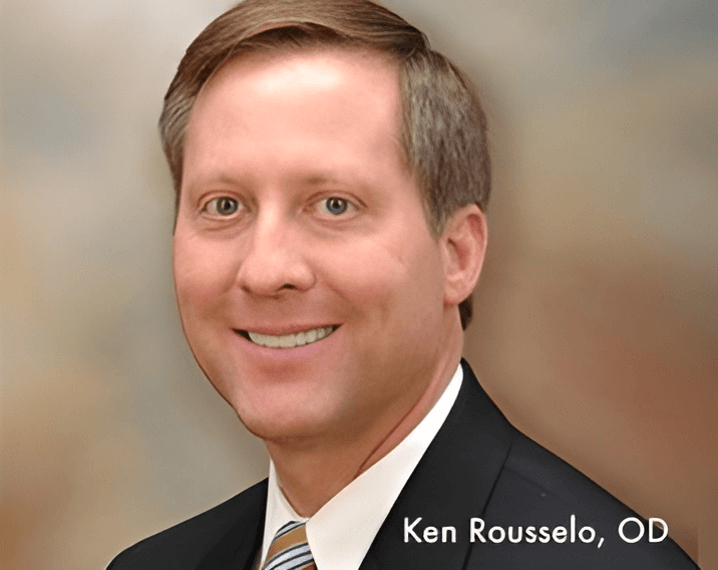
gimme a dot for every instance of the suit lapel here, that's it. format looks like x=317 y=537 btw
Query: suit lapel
x=450 y=485
x=237 y=548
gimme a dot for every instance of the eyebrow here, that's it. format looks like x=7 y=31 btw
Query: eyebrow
x=319 y=179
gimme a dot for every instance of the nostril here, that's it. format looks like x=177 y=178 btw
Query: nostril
x=266 y=272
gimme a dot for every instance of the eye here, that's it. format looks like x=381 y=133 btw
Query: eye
x=222 y=206
x=335 y=205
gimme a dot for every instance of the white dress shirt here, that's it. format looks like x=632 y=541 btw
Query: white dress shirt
x=342 y=531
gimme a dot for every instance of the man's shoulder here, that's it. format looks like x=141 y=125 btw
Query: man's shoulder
x=561 y=514
x=191 y=543
x=532 y=476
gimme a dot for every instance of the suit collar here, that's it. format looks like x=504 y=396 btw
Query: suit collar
x=451 y=484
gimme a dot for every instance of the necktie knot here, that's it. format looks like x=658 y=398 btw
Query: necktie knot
x=289 y=549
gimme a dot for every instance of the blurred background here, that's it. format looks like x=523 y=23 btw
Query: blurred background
x=596 y=321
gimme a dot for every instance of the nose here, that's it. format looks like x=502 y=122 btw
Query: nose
x=274 y=259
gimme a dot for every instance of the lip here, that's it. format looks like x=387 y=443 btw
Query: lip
x=281 y=330
x=290 y=341
x=263 y=356
x=283 y=341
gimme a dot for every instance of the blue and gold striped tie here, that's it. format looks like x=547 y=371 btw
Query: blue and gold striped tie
x=289 y=549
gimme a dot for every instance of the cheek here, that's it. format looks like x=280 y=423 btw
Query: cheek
x=394 y=279
x=201 y=273
x=363 y=275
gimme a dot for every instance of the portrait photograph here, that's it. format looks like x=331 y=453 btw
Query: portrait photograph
x=353 y=285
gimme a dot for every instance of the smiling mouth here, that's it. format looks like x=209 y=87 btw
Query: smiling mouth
x=292 y=340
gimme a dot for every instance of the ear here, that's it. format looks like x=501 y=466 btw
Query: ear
x=464 y=246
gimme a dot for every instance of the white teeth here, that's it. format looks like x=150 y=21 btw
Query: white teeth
x=290 y=340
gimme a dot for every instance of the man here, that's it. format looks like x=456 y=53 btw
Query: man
x=332 y=175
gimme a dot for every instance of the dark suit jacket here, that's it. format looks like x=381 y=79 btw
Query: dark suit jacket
x=478 y=467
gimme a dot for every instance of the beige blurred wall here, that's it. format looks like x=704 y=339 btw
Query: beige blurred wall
x=596 y=317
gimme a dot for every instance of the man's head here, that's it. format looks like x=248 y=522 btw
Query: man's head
x=443 y=128
x=313 y=292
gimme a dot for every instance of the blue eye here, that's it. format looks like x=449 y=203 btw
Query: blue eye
x=335 y=205
x=222 y=206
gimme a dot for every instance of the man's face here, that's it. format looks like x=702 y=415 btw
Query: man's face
x=309 y=286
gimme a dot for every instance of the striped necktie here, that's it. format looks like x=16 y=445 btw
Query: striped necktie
x=289 y=549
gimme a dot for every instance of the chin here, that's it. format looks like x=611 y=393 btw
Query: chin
x=271 y=430
x=281 y=422
x=274 y=405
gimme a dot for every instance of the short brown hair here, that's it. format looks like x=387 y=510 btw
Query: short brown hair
x=443 y=131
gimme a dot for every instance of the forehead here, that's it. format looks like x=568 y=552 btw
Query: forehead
x=308 y=94
x=279 y=68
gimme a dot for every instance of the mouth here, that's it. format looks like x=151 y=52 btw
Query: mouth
x=291 y=340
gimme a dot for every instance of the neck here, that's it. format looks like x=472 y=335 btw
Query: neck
x=311 y=473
